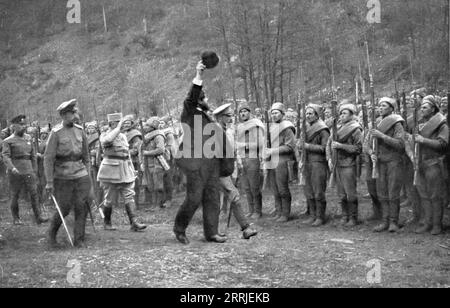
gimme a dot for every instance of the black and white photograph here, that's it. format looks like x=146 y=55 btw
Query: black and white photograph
x=224 y=149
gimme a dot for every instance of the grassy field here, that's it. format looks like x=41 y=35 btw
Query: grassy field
x=287 y=255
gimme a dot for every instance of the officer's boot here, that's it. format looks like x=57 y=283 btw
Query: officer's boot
x=320 y=213
x=312 y=208
x=353 y=214
x=251 y=205
x=377 y=210
x=53 y=231
x=285 y=210
x=15 y=213
x=135 y=225
x=427 y=221
x=37 y=211
x=345 y=211
x=147 y=197
x=438 y=213
x=394 y=209
x=385 y=220
x=258 y=208
x=277 y=212
x=107 y=211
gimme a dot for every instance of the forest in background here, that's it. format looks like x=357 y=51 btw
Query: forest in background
x=139 y=56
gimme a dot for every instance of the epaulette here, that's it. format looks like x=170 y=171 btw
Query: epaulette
x=57 y=127
x=78 y=126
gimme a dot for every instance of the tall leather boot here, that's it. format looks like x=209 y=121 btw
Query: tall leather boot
x=277 y=211
x=311 y=205
x=377 y=213
x=345 y=211
x=258 y=207
x=385 y=220
x=53 y=230
x=394 y=209
x=285 y=210
x=135 y=225
x=37 y=211
x=15 y=212
x=353 y=214
x=107 y=211
x=320 y=213
x=251 y=205
x=427 y=221
x=438 y=214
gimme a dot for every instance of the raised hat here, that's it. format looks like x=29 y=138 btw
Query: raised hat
x=210 y=59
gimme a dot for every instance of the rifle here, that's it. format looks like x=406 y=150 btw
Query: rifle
x=97 y=160
x=302 y=107
x=375 y=171
x=268 y=146
x=405 y=110
x=334 y=129
x=416 y=147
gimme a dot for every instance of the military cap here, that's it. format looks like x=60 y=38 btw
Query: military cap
x=20 y=119
x=129 y=117
x=278 y=106
x=433 y=101
x=45 y=130
x=349 y=107
x=317 y=108
x=392 y=102
x=114 y=117
x=422 y=92
x=244 y=106
x=153 y=122
x=224 y=109
x=92 y=124
x=69 y=106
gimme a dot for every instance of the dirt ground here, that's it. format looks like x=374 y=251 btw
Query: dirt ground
x=289 y=255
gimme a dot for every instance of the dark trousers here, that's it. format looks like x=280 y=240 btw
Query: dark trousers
x=168 y=184
x=316 y=174
x=202 y=187
x=411 y=190
x=251 y=182
x=389 y=184
x=25 y=182
x=279 y=178
x=346 y=183
x=71 y=194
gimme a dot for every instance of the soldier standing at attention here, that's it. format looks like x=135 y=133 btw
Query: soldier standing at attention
x=282 y=135
x=19 y=158
x=250 y=147
x=134 y=138
x=153 y=146
x=316 y=169
x=66 y=166
x=391 y=148
x=433 y=143
x=348 y=146
x=117 y=174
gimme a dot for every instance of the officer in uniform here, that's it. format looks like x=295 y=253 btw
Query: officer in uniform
x=391 y=148
x=117 y=174
x=66 y=166
x=433 y=141
x=224 y=116
x=134 y=138
x=250 y=146
x=153 y=146
x=348 y=147
x=19 y=156
x=277 y=160
x=316 y=168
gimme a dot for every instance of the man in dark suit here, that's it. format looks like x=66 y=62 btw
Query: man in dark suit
x=202 y=170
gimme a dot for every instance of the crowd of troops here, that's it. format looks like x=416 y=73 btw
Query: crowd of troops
x=114 y=163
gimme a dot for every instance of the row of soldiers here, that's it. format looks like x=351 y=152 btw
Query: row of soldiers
x=75 y=160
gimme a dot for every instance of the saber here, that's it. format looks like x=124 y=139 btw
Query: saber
x=102 y=215
x=62 y=219
x=90 y=215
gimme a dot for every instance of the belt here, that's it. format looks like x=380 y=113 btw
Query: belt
x=22 y=157
x=118 y=157
x=70 y=158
